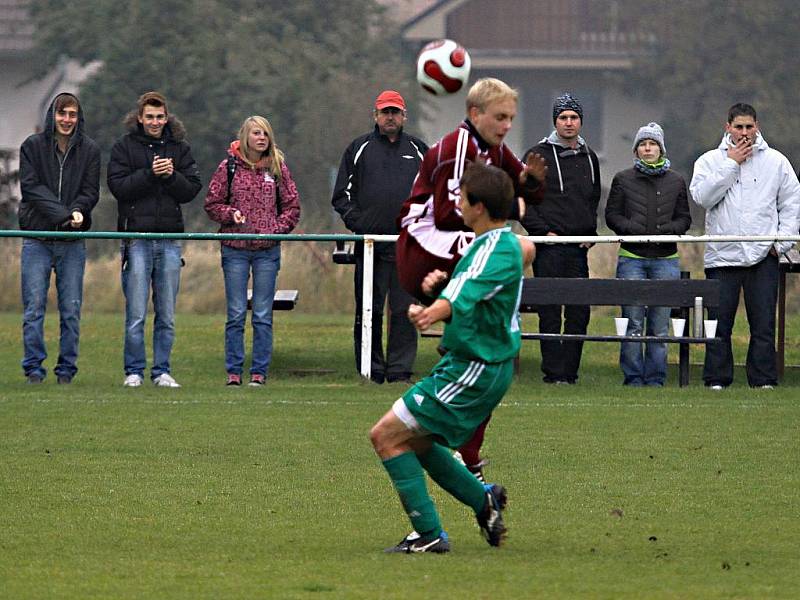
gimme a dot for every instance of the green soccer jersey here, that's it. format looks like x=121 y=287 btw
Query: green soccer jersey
x=484 y=293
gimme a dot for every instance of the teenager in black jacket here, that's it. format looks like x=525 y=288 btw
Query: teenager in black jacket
x=60 y=182
x=572 y=194
x=151 y=173
x=647 y=199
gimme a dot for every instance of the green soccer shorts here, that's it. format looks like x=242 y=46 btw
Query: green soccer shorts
x=457 y=396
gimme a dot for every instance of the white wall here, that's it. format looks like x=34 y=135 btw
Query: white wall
x=24 y=102
x=623 y=117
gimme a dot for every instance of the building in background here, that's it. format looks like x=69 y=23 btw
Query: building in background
x=543 y=48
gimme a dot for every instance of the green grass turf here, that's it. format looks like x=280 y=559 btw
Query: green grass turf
x=215 y=492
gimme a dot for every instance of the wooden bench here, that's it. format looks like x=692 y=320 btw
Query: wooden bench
x=283 y=300
x=678 y=294
x=344 y=254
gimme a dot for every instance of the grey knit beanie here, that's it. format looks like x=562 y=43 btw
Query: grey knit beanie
x=564 y=102
x=651 y=131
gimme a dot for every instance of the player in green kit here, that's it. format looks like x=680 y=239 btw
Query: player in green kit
x=480 y=309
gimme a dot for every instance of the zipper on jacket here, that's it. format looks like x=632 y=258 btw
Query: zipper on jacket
x=61 y=169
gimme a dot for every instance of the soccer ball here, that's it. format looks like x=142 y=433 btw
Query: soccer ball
x=443 y=67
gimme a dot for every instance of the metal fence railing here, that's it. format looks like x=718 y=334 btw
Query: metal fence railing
x=369 y=253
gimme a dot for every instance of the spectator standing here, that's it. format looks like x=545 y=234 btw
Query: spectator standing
x=647 y=199
x=151 y=173
x=572 y=194
x=375 y=177
x=60 y=182
x=746 y=188
x=260 y=198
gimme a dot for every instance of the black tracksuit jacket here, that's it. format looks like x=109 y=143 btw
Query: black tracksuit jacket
x=375 y=178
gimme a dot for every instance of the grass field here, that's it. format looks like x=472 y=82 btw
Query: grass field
x=213 y=492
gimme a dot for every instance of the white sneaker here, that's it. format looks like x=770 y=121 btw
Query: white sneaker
x=132 y=380
x=166 y=380
x=716 y=387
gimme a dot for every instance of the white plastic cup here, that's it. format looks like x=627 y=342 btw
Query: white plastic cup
x=678 y=325
x=621 y=323
x=710 y=326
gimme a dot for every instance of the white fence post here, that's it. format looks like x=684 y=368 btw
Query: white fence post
x=366 y=308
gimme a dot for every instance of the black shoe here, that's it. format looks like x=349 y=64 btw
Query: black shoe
x=377 y=378
x=490 y=520
x=404 y=543
x=34 y=379
x=399 y=378
x=64 y=380
x=413 y=542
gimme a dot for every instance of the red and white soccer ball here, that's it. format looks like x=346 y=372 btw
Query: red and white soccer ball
x=443 y=67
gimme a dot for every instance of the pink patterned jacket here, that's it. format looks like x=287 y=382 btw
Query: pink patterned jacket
x=253 y=193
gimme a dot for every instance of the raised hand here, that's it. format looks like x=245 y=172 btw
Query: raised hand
x=535 y=166
x=742 y=150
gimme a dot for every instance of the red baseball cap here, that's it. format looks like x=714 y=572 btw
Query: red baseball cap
x=389 y=98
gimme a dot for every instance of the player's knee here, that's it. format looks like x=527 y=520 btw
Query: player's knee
x=377 y=437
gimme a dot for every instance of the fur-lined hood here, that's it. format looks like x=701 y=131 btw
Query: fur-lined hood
x=174 y=127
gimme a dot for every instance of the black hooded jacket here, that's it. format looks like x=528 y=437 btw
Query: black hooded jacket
x=571 y=195
x=52 y=190
x=146 y=202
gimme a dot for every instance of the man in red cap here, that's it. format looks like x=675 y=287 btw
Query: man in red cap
x=375 y=177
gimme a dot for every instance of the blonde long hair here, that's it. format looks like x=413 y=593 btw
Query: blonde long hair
x=273 y=153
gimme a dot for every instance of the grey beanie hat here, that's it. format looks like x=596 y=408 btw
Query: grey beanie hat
x=651 y=131
x=564 y=102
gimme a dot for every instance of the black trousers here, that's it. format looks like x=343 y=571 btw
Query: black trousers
x=560 y=359
x=401 y=348
x=760 y=285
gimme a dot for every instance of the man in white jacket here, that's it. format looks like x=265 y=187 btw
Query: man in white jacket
x=747 y=189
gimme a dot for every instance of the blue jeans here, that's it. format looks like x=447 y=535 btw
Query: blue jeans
x=38 y=260
x=147 y=263
x=650 y=367
x=236 y=267
x=760 y=285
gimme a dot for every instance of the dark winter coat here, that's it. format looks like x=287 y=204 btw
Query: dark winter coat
x=52 y=190
x=572 y=192
x=374 y=179
x=145 y=201
x=641 y=204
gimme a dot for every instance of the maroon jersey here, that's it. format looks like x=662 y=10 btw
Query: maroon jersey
x=432 y=230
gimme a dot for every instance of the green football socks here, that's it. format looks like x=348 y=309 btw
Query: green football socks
x=453 y=477
x=409 y=481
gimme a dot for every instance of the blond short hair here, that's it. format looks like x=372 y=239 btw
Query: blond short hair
x=487 y=90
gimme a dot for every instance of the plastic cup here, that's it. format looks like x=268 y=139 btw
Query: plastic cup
x=621 y=323
x=710 y=326
x=678 y=325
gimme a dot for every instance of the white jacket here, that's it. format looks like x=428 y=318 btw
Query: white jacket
x=759 y=197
